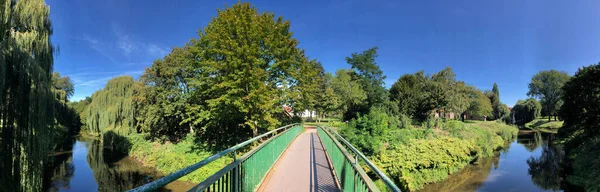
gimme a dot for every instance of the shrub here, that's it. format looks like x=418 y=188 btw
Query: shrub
x=425 y=160
x=369 y=132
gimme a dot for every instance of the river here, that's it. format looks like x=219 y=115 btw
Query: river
x=84 y=165
x=529 y=163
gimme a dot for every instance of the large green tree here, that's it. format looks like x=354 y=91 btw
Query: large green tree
x=547 y=87
x=370 y=77
x=581 y=111
x=411 y=94
x=247 y=62
x=161 y=101
x=26 y=100
x=112 y=108
x=350 y=92
x=480 y=104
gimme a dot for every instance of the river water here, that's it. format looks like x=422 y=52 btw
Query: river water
x=530 y=163
x=84 y=165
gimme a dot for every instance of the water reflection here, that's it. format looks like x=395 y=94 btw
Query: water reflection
x=531 y=163
x=89 y=165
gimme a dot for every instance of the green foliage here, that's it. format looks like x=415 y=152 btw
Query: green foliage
x=161 y=102
x=480 y=104
x=411 y=94
x=526 y=111
x=423 y=161
x=168 y=157
x=63 y=86
x=581 y=109
x=26 y=97
x=350 y=91
x=546 y=86
x=248 y=65
x=369 y=132
x=581 y=130
x=416 y=156
x=112 y=108
x=586 y=168
x=370 y=77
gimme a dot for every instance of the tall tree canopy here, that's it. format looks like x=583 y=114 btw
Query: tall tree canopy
x=526 y=111
x=370 y=77
x=546 y=86
x=26 y=101
x=350 y=91
x=581 y=111
x=63 y=85
x=247 y=62
x=581 y=130
x=480 y=104
x=112 y=108
x=161 y=102
x=411 y=94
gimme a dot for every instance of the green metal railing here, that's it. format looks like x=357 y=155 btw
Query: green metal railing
x=346 y=166
x=244 y=174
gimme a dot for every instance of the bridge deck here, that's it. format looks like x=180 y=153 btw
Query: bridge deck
x=302 y=167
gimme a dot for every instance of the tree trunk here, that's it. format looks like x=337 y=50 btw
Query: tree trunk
x=549 y=117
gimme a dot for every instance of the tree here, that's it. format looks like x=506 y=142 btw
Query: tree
x=370 y=77
x=246 y=62
x=311 y=84
x=161 y=101
x=411 y=94
x=526 y=111
x=63 y=85
x=581 y=108
x=480 y=104
x=546 y=86
x=350 y=91
x=494 y=96
x=112 y=108
x=444 y=92
x=327 y=101
x=26 y=100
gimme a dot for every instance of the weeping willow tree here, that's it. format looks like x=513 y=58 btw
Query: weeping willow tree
x=112 y=108
x=26 y=60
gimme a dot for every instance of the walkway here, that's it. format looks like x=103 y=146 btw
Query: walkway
x=303 y=167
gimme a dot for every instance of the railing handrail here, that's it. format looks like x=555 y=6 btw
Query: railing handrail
x=381 y=175
x=183 y=172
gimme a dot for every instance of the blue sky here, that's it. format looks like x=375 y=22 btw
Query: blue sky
x=506 y=42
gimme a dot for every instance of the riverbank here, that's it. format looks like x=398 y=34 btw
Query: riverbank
x=169 y=157
x=418 y=156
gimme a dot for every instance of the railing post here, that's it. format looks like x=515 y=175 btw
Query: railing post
x=236 y=173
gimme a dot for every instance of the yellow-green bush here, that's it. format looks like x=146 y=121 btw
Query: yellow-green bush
x=425 y=160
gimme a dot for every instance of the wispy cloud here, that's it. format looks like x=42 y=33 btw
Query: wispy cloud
x=125 y=43
x=156 y=50
x=103 y=80
x=98 y=46
x=130 y=44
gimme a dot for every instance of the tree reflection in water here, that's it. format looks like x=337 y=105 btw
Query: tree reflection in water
x=59 y=171
x=546 y=169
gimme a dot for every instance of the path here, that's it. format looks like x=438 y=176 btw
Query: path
x=302 y=167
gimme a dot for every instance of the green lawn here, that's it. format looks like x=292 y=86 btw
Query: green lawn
x=543 y=123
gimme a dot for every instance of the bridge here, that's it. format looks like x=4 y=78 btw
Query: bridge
x=290 y=158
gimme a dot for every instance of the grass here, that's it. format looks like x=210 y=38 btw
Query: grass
x=544 y=124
